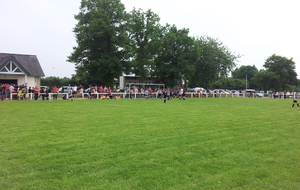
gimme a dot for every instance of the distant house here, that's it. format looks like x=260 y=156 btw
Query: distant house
x=20 y=69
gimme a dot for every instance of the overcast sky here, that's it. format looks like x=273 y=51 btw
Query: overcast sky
x=255 y=29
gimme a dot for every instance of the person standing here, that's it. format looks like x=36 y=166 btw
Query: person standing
x=24 y=92
x=295 y=99
x=101 y=90
x=159 y=92
x=11 y=89
x=55 y=91
x=81 y=91
x=30 y=91
x=295 y=102
x=165 y=94
x=47 y=91
x=36 y=92
x=42 y=92
x=146 y=93
x=180 y=93
x=74 y=93
x=1 y=92
x=6 y=91
x=109 y=93
x=69 y=89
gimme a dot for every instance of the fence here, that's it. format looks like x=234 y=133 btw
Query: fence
x=140 y=95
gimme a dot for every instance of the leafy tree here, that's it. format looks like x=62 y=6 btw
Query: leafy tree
x=56 y=81
x=81 y=77
x=284 y=69
x=236 y=84
x=174 y=61
x=217 y=84
x=215 y=61
x=229 y=83
x=51 y=81
x=246 y=72
x=240 y=73
x=144 y=32
x=265 y=80
x=66 y=81
x=101 y=52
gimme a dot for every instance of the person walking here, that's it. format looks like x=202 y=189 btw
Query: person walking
x=295 y=102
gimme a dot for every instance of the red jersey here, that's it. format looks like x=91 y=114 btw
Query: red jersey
x=6 y=88
x=36 y=90
x=101 y=90
x=54 y=89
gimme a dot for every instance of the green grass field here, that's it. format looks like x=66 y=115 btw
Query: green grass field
x=207 y=143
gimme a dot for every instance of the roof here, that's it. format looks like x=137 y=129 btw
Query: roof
x=28 y=63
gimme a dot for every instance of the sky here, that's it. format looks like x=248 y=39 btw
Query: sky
x=254 y=29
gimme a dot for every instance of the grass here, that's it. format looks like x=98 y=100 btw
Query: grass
x=207 y=143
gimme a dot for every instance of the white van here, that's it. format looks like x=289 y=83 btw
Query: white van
x=196 y=89
x=249 y=93
x=63 y=89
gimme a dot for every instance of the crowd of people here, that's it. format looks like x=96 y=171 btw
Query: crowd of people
x=21 y=92
x=6 y=89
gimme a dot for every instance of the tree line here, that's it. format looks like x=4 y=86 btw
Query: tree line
x=278 y=74
x=112 y=42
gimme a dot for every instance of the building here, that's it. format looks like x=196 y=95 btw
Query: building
x=130 y=81
x=20 y=69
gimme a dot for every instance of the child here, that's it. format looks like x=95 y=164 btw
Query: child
x=20 y=95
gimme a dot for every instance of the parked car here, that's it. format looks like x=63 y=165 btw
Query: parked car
x=217 y=91
x=190 y=90
x=196 y=89
x=221 y=91
x=259 y=94
x=234 y=91
x=45 y=87
x=63 y=89
x=249 y=92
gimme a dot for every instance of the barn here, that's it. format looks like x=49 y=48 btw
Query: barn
x=20 y=69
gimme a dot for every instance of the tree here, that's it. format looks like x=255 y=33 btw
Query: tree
x=101 y=51
x=51 y=81
x=284 y=69
x=240 y=73
x=215 y=61
x=81 y=77
x=174 y=61
x=266 y=80
x=56 y=81
x=229 y=83
x=144 y=32
x=246 y=72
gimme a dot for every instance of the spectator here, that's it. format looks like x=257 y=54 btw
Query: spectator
x=74 y=93
x=36 y=91
x=42 y=93
x=55 y=91
x=2 y=92
x=6 y=91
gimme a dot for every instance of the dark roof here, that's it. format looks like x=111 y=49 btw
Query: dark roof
x=28 y=63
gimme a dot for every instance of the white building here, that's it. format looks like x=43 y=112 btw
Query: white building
x=20 y=69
